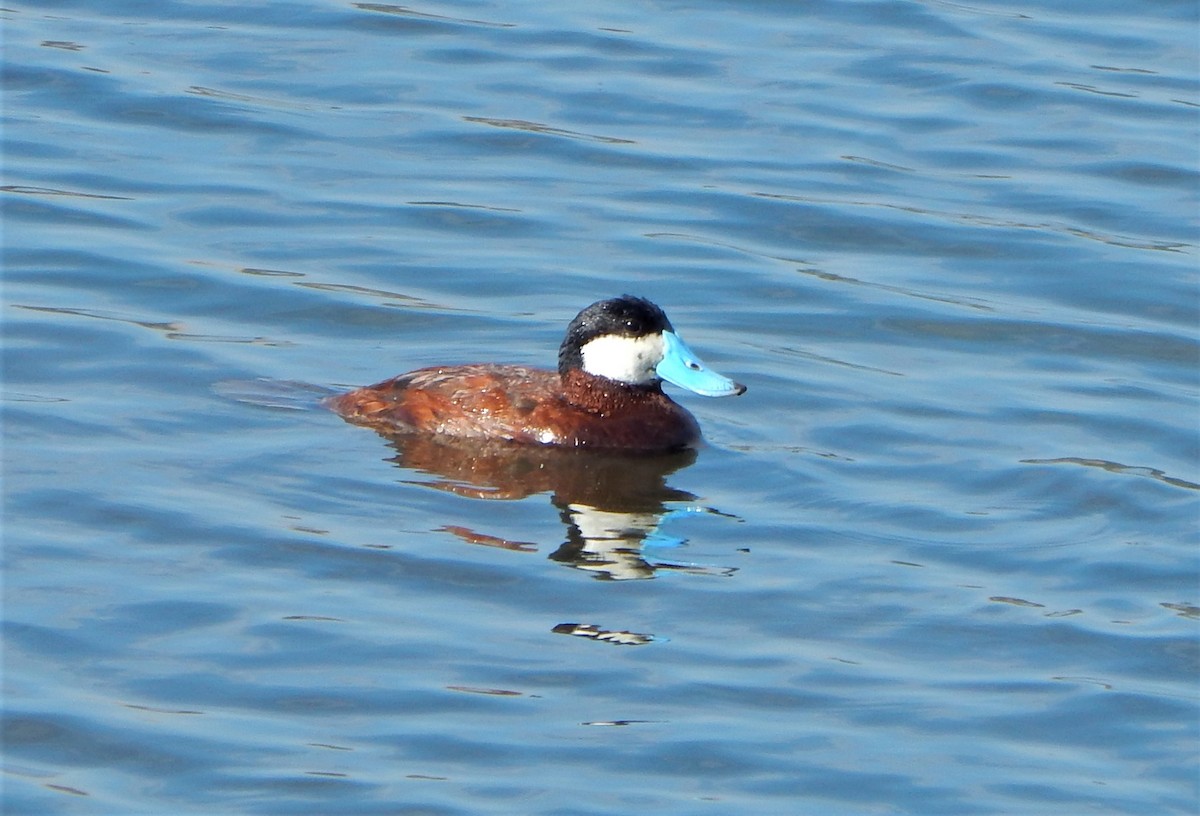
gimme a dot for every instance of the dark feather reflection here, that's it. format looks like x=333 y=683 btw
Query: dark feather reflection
x=612 y=504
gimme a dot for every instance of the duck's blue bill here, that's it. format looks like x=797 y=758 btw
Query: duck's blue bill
x=680 y=366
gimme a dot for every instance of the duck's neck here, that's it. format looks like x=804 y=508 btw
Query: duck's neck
x=604 y=396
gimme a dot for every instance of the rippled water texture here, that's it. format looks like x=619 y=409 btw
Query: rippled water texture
x=940 y=558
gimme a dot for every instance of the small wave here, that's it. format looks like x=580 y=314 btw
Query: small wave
x=288 y=395
x=1117 y=467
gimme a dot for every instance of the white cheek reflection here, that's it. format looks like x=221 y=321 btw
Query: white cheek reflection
x=626 y=359
x=612 y=542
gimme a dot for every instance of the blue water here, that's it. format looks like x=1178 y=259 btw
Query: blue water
x=941 y=558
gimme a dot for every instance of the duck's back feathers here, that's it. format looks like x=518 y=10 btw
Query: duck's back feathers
x=523 y=405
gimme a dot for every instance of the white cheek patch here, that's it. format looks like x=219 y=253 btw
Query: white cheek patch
x=625 y=359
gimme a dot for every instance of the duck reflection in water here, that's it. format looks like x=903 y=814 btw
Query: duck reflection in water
x=613 y=504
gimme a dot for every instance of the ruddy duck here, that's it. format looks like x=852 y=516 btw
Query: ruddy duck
x=607 y=392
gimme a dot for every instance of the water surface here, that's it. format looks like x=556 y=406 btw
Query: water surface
x=940 y=558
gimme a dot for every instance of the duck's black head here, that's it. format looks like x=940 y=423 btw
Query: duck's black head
x=630 y=340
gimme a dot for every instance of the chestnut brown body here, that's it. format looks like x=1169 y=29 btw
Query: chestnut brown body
x=522 y=405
